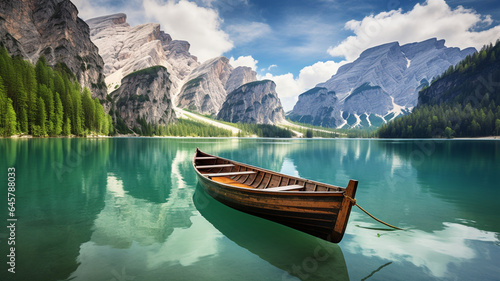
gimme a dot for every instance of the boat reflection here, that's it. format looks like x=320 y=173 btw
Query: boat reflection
x=298 y=254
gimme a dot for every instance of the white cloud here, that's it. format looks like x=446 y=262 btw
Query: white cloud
x=460 y=27
x=246 y=32
x=289 y=87
x=185 y=20
x=271 y=67
x=244 y=61
x=88 y=10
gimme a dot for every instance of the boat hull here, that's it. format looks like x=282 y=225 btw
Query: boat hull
x=321 y=214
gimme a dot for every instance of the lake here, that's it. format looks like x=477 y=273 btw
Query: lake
x=131 y=209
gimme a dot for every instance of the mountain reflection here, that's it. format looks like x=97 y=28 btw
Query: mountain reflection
x=122 y=208
x=60 y=192
x=146 y=222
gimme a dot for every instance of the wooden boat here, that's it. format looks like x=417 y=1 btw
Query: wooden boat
x=312 y=207
x=280 y=246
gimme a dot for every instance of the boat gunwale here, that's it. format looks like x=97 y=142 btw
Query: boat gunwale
x=265 y=191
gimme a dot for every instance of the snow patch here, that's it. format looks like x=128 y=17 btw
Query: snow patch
x=344 y=121
x=381 y=117
x=368 y=119
x=396 y=109
x=358 y=121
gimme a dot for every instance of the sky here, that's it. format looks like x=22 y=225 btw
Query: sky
x=299 y=44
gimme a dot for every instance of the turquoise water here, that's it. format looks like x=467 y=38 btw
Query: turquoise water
x=131 y=209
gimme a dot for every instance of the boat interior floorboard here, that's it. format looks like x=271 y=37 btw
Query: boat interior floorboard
x=229 y=181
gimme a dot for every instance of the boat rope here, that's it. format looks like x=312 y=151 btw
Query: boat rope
x=353 y=201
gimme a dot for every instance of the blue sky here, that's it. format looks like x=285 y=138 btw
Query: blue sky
x=301 y=43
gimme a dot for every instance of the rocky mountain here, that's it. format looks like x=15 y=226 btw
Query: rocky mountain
x=207 y=87
x=145 y=95
x=254 y=102
x=474 y=81
x=52 y=28
x=126 y=49
x=461 y=102
x=381 y=84
x=240 y=76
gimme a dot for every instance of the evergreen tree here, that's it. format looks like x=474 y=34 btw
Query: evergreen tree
x=59 y=115
x=88 y=109
x=99 y=116
x=10 y=120
x=67 y=127
x=7 y=70
x=77 y=121
x=44 y=100
x=41 y=70
x=18 y=95
x=48 y=98
x=110 y=128
x=3 y=105
x=41 y=118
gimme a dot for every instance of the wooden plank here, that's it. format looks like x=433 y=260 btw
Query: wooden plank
x=261 y=179
x=269 y=181
x=205 y=158
x=254 y=179
x=230 y=182
x=214 y=166
x=229 y=174
x=285 y=188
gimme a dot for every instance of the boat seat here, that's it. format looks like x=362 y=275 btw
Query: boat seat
x=285 y=188
x=230 y=182
x=214 y=166
x=210 y=175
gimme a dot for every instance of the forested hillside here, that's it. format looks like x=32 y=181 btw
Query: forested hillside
x=462 y=102
x=41 y=101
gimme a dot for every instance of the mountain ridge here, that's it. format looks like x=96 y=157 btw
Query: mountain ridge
x=398 y=71
x=255 y=102
x=52 y=29
x=464 y=101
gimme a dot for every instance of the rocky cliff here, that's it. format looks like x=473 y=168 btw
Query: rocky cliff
x=208 y=85
x=145 y=94
x=381 y=84
x=204 y=90
x=474 y=81
x=240 y=76
x=126 y=49
x=32 y=28
x=254 y=102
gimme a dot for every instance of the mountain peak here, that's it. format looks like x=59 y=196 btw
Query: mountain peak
x=255 y=102
x=384 y=79
x=378 y=50
x=126 y=49
x=119 y=18
x=52 y=29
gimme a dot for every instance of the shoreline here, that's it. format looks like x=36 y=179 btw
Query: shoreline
x=236 y=137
